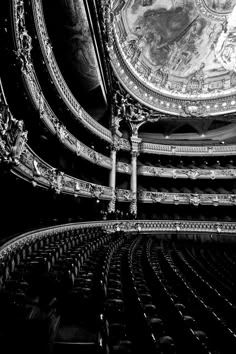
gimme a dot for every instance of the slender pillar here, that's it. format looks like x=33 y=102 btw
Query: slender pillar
x=112 y=177
x=133 y=181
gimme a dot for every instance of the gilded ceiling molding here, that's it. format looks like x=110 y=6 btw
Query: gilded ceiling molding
x=172 y=86
x=188 y=150
x=46 y=114
x=64 y=91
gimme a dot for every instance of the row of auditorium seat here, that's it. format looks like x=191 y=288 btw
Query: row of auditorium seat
x=106 y=293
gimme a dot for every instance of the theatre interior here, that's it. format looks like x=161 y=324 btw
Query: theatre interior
x=118 y=176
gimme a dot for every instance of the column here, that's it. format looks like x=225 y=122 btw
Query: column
x=133 y=181
x=112 y=176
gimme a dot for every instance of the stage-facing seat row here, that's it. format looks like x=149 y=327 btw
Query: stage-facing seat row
x=92 y=291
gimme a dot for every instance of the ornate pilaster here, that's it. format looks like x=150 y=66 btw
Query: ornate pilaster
x=133 y=182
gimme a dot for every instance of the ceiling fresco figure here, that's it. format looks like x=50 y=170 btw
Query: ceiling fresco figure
x=226 y=46
x=220 y=5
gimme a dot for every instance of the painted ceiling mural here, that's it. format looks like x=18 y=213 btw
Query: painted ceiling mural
x=169 y=45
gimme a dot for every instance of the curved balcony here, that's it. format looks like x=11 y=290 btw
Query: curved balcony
x=147 y=226
x=27 y=165
x=64 y=91
x=33 y=169
x=46 y=114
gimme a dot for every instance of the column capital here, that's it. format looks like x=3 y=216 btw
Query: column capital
x=134 y=153
x=116 y=144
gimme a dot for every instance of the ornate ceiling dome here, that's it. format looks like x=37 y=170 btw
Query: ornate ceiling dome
x=165 y=54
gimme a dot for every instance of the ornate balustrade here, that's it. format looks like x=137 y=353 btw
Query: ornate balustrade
x=123 y=195
x=188 y=150
x=191 y=173
x=45 y=112
x=167 y=172
x=64 y=91
x=146 y=226
x=39 y=173
x=33 y=169
x=187 y=198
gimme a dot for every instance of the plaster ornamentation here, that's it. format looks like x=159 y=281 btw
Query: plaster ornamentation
x=123 y=167
x=123 y=194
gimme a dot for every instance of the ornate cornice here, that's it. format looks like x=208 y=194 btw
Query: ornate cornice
x=79 y=113
x=45 y=112
x=188 y=150
x=146 y=226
